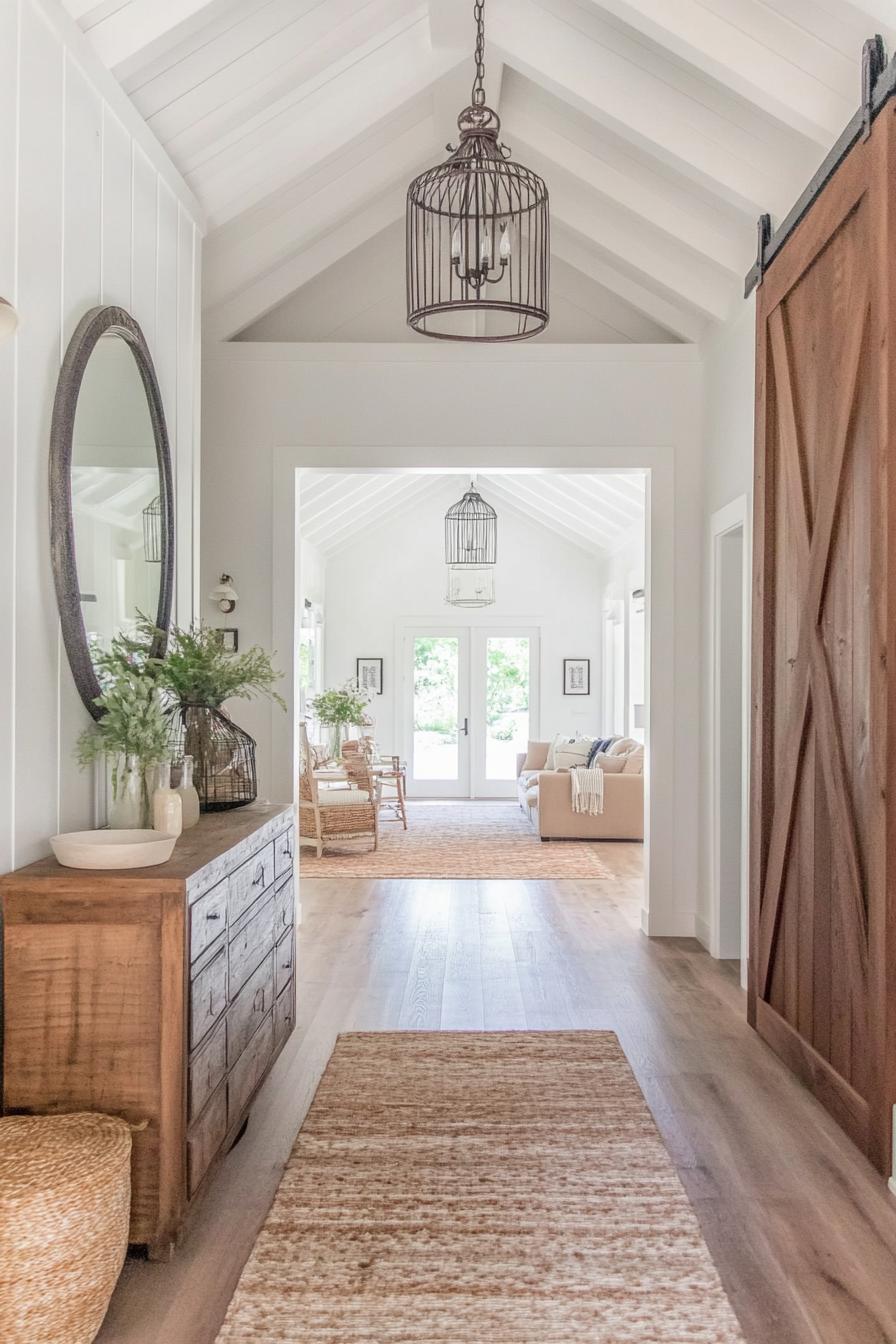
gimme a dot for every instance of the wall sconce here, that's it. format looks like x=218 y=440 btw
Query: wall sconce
x=225 y=595
x=9 y=319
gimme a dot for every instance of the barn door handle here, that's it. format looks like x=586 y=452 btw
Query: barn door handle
x=466 y=729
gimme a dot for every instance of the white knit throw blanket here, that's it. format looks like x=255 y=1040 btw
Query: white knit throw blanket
x=588 y=791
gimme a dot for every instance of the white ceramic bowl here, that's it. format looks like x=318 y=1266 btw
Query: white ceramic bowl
x=112 y=849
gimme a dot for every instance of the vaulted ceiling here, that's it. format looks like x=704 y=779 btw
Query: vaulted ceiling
x=595 y=511
x=662 y=127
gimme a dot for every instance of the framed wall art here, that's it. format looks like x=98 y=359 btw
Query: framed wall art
x=576 y=676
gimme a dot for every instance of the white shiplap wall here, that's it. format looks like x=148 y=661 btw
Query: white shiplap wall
x=91 y=212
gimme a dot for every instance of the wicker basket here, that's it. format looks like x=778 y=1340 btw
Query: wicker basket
x=65 y=1195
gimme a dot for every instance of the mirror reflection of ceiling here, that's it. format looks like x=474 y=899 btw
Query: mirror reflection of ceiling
x=115 y=486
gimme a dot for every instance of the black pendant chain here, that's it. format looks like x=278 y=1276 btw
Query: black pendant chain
x=478 y=96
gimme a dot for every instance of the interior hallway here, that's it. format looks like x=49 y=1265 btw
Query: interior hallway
x=801 y=1228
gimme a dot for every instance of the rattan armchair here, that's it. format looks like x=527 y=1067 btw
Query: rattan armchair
x=346 y=814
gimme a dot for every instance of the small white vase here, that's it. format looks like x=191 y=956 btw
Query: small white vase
x=189 y=797
x=167 y=811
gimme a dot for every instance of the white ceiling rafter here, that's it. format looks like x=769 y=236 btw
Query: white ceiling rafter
x=663 y=128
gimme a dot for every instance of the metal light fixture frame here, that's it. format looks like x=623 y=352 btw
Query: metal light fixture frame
x=152 y=531
x=470 y=587
x=471 y=532
x=478 y=234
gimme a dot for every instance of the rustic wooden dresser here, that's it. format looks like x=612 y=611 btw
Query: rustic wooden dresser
x=163 y=995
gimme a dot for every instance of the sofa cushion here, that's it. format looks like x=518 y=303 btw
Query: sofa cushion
x=622 y=746
x=611 y=765
x=532 y=797
x=528 y=778
x=536 y=756
x=634 y=762
x=342 y=797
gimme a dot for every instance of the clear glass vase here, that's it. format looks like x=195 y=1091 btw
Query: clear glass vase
x=338 y=735
x=129 y=808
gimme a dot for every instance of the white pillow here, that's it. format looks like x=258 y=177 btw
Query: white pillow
x=570 y=755
x=559 y=740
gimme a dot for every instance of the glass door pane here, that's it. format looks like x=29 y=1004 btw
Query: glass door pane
x=507 y=662
x=436 y=707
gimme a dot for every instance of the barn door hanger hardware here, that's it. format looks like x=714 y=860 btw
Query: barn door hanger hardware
x=874 y=61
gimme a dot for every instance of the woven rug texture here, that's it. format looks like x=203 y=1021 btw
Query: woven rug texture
x=464 y=1188
x=458 y=840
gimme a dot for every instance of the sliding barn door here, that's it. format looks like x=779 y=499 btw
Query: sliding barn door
x=819 y=909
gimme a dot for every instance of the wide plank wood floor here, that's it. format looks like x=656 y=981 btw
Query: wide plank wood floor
x=802 y=1229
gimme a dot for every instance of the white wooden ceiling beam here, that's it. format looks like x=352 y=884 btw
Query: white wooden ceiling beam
x=411 y=491
x=598 y=526
x=578 y=252
x=649 y=198
x=500 y=491
x=648 y=253
x=138 y=25
x=359 y=496
x=273 y=149
x=613 y=518
x=748 y=170
x=233 y=260
x=749 y=49
x=572 y=491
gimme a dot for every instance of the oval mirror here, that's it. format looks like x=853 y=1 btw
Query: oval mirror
x=111 y=499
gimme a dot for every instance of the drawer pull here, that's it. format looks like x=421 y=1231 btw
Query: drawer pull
x=214 y=914
x=259 y=876
x=287 y=965
x=258 y=1001
x=211 y=1001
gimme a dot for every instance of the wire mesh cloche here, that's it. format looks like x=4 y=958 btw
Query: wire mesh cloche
x=471 y=531
x=223 y=756
x=478 y=235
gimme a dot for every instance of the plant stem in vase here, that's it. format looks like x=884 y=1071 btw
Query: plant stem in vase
x=129 y=810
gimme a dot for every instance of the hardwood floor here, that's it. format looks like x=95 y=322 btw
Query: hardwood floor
x=801 y=1227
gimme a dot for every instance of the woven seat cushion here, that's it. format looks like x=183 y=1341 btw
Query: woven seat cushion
x=343 y=797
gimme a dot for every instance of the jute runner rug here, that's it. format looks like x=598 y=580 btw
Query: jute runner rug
x=465 y=1188
x=459 y=840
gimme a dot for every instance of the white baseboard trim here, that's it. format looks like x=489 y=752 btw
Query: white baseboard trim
x=645 y=920
x=701 y=931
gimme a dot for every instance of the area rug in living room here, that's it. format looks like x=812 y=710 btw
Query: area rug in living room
x=458 y=1187
x=478 y=839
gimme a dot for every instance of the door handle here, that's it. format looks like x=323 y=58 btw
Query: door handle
x=466 y=727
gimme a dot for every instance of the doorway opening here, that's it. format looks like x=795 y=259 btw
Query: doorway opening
x=730 y=733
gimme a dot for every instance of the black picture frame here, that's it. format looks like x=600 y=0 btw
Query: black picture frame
x=572 y=668
x=377 y=665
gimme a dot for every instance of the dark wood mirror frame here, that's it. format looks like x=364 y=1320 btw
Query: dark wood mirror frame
x=94 y=324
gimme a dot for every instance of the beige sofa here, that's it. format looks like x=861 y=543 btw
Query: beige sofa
x=546 y=797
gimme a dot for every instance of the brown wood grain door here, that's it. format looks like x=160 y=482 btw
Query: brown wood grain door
x=819 y=914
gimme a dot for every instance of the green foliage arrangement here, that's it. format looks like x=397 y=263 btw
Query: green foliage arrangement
x=134 y=723
x=346 y=704
x=197 y=669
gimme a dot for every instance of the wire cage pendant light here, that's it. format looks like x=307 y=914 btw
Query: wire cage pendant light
x=470 y=587
x=471 y=532
x=152 y=531
x=478 y=234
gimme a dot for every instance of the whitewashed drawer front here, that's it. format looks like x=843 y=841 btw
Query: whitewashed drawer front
x=248 y=948
x=208 y=996
x=284 y=853
x=285 y=907
x=255 y=999
x=208 y=919
x=207 y=1068
x=247 y=882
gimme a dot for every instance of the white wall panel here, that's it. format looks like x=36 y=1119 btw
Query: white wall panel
x=82 y=221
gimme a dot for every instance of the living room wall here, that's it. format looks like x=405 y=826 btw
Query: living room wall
x=270 y=410
x=541 y=580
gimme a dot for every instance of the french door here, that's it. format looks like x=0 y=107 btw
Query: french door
x=469 y=705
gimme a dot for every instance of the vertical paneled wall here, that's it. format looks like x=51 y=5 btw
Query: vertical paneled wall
x=90 y=212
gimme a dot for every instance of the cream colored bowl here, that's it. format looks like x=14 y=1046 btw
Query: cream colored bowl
x=112 y=849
